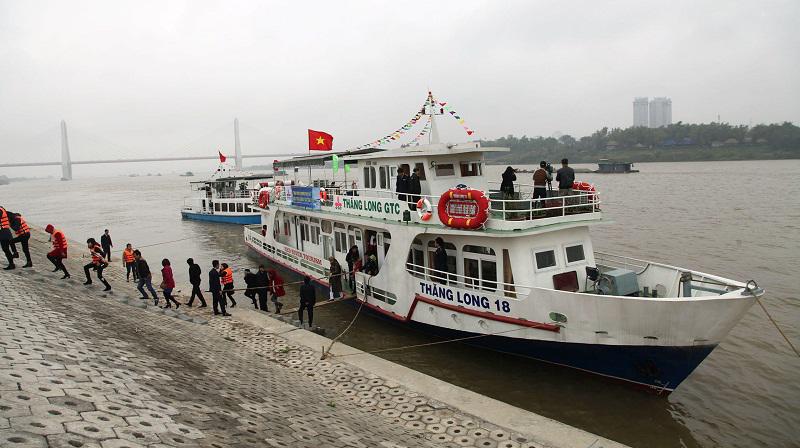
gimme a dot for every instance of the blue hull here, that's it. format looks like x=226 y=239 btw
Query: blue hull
x=660 y=369
x=240 y=219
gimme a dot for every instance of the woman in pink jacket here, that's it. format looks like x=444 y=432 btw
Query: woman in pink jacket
x=168 y=283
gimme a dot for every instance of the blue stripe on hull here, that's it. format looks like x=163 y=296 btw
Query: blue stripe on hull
x=228 y=219
x=659 y=368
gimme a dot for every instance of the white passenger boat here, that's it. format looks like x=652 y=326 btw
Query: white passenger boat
x=226 y=198
x=524 y=275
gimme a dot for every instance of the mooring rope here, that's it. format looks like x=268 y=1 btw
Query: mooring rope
x=750 y=289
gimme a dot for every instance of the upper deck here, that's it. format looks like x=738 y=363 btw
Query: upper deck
x=519 y=213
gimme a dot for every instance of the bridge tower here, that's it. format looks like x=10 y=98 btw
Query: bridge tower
x=237 y=145
x=66 y=162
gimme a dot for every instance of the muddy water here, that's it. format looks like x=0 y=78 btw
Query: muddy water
x=719 y=217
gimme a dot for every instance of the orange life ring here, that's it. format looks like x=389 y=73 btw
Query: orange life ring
x=263 y=198
x=463 y=208
x=323 y=194
x=424 y=209
x=585 y=186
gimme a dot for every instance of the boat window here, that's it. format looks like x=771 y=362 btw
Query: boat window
x=216 y=207
x=445 y=169
x=326 y=226
x=508 y=276
x=315 y=234
x=287 y=229
x=340 y=240
x=247 y=208
x=416 y=258
x=369 y=177
x=575 y=253
x=470 y=169
x=384 y=177
x=545 y=259
x=239 y=207
x=224 y=206
x=304 y=232
x=387 y=241
x=452 y=262
x=420 y=170
x=480 y=267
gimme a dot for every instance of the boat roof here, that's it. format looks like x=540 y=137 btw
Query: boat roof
x=320 y=159
x=433 y=150
x=234 y=178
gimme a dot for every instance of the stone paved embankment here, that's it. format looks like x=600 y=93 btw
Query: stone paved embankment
x=82 y=368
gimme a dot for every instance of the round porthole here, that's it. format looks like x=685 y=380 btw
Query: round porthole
x=558 y=317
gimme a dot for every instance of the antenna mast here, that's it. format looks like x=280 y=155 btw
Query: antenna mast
x=432 y=110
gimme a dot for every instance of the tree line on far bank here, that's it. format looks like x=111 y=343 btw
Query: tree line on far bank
x=676 y=142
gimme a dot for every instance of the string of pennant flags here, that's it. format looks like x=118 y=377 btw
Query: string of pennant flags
x=444 y=108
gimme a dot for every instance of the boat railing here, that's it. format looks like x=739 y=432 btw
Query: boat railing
x=238 y=194
x=511 y=290
x=514 y=209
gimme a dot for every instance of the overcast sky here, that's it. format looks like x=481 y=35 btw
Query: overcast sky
x=144 y=78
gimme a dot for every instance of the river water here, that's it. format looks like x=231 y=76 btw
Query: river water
x=724 y=218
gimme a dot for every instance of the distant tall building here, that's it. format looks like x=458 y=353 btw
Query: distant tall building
x=660 y=112
x=640 y=111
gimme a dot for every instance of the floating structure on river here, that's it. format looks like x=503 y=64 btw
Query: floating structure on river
x=521 y=275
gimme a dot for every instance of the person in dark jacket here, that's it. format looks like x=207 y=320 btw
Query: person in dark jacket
x=335 y=279
x=351 y=258
x=168 y=283
x=415 y=188
x=402 y=184
x=262 y=282
x=440 y=261
x=215 y=287
x=194 y=279
x=308 y=297
x=145 y=277
x=105 y=241
x=565 y=176
x=507 y=186
x=250 y=283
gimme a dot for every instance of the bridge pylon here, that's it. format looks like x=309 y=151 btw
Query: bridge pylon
x=237 y=146
x=66 y=162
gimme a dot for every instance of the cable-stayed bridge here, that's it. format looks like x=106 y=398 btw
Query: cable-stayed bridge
x=66 y=162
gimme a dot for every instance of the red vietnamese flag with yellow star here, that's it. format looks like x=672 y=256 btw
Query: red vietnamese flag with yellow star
x=319 y=141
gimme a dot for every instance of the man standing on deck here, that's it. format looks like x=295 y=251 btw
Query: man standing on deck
x=565 y=176
x=402 y=184
x=214 y=285
x=540 y=179
x=22 y=234
x=194 y=279
x=415 y=188
x=59 y=252
x=105 y=241
x=440 y=262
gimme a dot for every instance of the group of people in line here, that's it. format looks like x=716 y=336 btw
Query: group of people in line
x=408 y=187
x=262 y=286
x=542 y=178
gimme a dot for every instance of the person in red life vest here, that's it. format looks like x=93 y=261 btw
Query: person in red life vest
x=168 y=283
x=264 y=230
x=129 y=261
x=226 y=278
x=22 y=234
x=275 y=288
x=98 y=263
x=59 y=252
x=5 y=237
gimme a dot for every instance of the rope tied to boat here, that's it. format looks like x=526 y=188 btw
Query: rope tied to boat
x=753 y=290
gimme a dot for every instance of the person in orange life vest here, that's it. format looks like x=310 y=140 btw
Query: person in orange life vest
x=22 y=234
x=275 y=288
x=168 y=283
x=129 y=261
x=98 y=263
x=59 y=252
x=226 y=278
x=5 y=237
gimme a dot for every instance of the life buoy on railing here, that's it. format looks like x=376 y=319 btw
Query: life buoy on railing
x=588 y=188
x=463 y=208
x=424 y=209
x=263 y=197
x=323 y=195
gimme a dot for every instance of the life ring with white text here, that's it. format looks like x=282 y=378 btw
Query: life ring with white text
x=263 y=198
x=463 y=208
